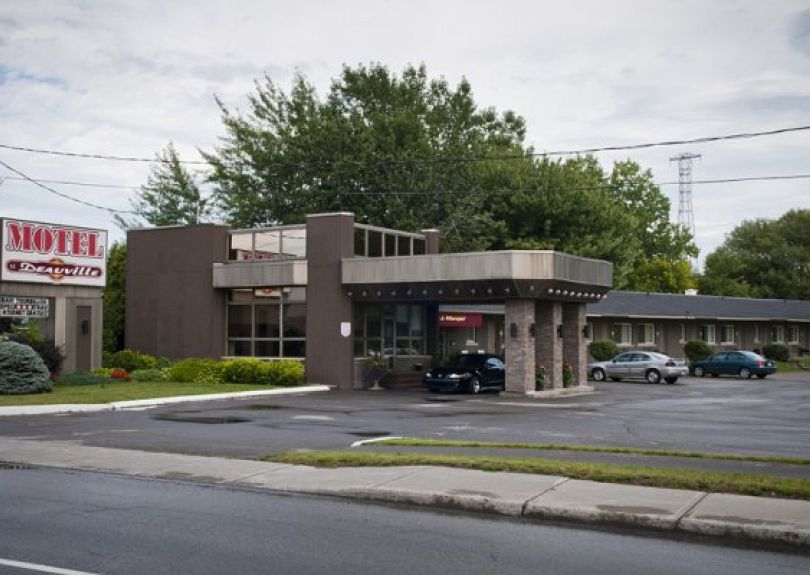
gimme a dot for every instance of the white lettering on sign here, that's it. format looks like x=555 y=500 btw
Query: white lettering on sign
x=11 y=306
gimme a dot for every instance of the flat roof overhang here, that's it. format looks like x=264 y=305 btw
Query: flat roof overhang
x=260 y=273
x=478 y=277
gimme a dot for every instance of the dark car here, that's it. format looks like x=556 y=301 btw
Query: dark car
x=470 y=372
x=741 y=363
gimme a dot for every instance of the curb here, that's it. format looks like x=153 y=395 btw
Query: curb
x=63 y=408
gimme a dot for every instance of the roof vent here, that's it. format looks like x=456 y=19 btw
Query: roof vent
x=691 y=292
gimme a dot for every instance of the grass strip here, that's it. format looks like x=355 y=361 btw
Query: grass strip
x=416 y=442
x=122 y=391
x=715 y=482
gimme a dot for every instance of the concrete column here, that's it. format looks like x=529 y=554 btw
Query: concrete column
x=519 y=346
x=330 y=238
x=575 y=352
x=549 y=344
x=60 y=337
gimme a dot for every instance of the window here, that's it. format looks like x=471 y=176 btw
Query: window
x=268 y=243
x=267 y=322
x=622 y=334
x=645 y=334
x=793 y=334
x=589 y=332
x=390 y=329
x=707 y=333
x=756 y=333
x=778 y=334
x=726 y=334
x=682 y=338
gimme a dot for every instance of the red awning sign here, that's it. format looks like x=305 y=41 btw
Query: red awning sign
x=460 y=320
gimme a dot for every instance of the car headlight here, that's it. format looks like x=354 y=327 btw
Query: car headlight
x=428 y=374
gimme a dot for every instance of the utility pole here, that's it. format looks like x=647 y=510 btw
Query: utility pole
x=686 y=215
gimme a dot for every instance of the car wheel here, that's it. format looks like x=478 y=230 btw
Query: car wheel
x=616 y=378
x=700 y=372
x=670 y=379
x=761 y=375
x=598 y=374
x=744 y=373
x=475 y=386
x=715 y=374
x=653 y=376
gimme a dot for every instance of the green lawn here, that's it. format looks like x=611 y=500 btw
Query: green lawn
x=716 y=482
x=122 y=391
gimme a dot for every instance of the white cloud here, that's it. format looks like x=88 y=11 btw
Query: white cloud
x=124 y=77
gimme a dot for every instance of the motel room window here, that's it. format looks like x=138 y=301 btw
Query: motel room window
x=645 y=334
x=778 y=334
x=267 y=322
x=682 y=338
x=793 y=334
x=756 y=333
x=622 y=333
x=708 y=333
x=727 y=334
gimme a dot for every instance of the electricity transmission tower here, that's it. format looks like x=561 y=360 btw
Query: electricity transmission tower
x=686 y=215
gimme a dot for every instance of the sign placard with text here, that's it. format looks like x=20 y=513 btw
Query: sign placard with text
x=36 y=252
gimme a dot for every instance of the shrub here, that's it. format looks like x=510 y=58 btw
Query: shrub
x=120 y=374
x=102 y=371
x=696 y=350
x=22 y=370
x=130 y=360
x=603 y=349
x=540 y=379
x=153 y=374
x=283 y=372
x=46 y=349
x=776 y=351
x=188 y=370
x=567 y=375
x=82 y=378
x=246 y=371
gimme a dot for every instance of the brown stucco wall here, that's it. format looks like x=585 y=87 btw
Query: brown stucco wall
x=330 y=238
x=172 y=309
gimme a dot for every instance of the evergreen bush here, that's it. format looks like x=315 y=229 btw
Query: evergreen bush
x=697 y=350
x=776 y=351
x=22 y=370
x=603 y=349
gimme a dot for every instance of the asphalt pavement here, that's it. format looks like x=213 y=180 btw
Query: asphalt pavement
x=97 y=523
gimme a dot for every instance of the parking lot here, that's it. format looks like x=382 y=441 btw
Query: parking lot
x=719 y=415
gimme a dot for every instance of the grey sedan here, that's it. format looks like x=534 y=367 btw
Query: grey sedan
x=649 y=365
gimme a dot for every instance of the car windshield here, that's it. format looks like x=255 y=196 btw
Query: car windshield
x=466 y=360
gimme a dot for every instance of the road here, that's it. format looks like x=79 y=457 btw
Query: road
x=725 y=415
x=97 y=523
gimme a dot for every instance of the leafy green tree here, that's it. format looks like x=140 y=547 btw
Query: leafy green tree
x=408 y=152
x=114 y=297
x=763 y=258
x=171 y=194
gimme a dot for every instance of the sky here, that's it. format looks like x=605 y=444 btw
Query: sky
x=125 y=77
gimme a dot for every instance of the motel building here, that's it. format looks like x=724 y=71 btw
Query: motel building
x=333 y=292
x=54 y=275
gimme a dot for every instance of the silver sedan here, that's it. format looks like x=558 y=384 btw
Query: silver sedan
x=649 y=365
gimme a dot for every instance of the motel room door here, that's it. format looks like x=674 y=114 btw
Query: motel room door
x=84 y=337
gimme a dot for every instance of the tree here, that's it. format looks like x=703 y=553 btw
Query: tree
x=763 y=258
x=409 y=152
x=171 y=194
x=114 y=298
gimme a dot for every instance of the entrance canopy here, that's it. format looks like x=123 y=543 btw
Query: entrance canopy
x=478 y=276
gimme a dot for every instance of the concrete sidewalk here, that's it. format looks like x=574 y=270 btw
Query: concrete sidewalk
x=511 y=494
x=147 y=403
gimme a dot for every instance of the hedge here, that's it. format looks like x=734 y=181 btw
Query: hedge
x=776 y=351
x=603 y=349
x=697 y=350
x=130 y=360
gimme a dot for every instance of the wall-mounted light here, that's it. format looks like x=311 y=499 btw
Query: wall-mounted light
x=531 y=330
x=513 y=330
x=559 y=330
x=585 y=331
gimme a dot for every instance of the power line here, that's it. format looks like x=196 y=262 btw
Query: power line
x=63 y=195
x=72 y=183
x=447 y=159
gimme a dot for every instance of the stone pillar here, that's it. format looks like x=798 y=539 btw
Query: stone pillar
x=330 y=238
x=549 y=344
x=575 y=352
x=519 y=346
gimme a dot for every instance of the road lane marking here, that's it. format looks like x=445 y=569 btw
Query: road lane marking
x=314 y=417
x=42 y=568
x=363 y=442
